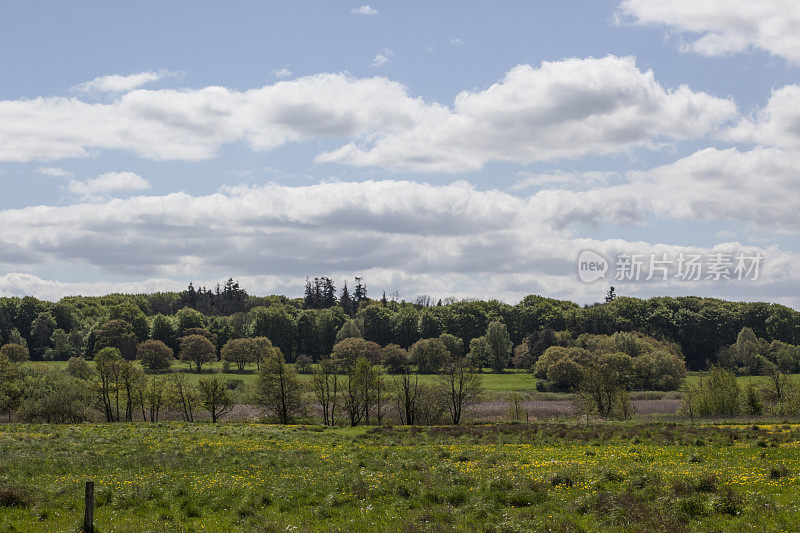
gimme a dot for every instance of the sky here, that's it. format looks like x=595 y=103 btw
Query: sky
x=455 y=149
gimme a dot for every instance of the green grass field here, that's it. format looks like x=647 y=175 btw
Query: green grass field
x=512 y=380
x=251 y=477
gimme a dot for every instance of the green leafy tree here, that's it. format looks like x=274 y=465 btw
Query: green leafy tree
x=377 y=324
x=325 y=383
x=78 y=367
x=66 y=315
x=603 y=384
x=62 y=346
x=348 y=331
x=406 y=327
x=41 y=330
x=277 y=325
x=430 y=326
x=155 y=356
x=54 y=397
x=110 y=366
x=461 y=384
x=240 y=352
x=564 y=374
x=14 y=353
x=329 y=321
x=164 y=330
x=15 y=337
x=347 y=351
x=717 y=394
x=116 y=334
x=134 y=316
x=453 y=344
x=188 y=318
x=362 y=392
x=428 y=355
x=181 y=396
x=499 y=345
x=479 y=352
x=394 y=358
x=197 y=349
x=278 y=389
x=215 y=398
x=308 y=334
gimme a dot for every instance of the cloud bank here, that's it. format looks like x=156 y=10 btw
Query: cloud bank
x=564 y=109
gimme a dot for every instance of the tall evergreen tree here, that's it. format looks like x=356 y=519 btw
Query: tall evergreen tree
x=308 y=300
x=328 y=293
x=346 y=302
x=360 y=292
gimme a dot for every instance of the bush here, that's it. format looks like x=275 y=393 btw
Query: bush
x=394 y=358
x=564 y=374
x=716 y=395
x=753 y=404
x=428 y=355
x=659 y=370
x=556 y=353
x=155 y=355
x=53 y=396
x=15 y=353
x=303 y=364
x=78 y=367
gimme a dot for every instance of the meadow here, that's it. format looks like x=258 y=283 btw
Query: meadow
x=564 y=476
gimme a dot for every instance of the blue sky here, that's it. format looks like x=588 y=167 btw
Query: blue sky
x=508 y=137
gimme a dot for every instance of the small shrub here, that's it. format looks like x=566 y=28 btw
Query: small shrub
x=500 y=483
x=613 y=476
x=79 y=368
x=562 y=478
x=693 y=507
x=729 y=502
x=525 y=497
x=456 y=496
x=778 y=471
x=14 y=497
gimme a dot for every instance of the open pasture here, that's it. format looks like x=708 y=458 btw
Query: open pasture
x=541 y=477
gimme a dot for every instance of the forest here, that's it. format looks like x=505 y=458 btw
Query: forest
x=702 y=328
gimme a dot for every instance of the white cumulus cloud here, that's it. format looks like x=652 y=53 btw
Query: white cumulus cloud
x=725 y=27
x=364 y=10
x=382 y=58
x=108 y=183
x=777 y=124
x=447 y=240
x=562 y=109
x=117 y=83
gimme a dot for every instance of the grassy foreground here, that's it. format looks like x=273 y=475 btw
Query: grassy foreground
x=252 y=477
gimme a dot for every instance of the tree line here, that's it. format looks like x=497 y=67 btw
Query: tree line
x=701 y=327
x=346 y=387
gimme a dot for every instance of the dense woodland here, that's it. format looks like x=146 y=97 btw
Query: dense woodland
x=702 y=327
x=350 y=342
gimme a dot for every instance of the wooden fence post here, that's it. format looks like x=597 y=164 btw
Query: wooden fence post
x=88 y=516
